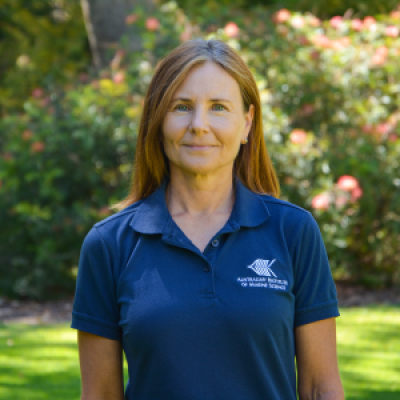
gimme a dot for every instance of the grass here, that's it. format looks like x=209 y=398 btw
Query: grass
x=41 y=362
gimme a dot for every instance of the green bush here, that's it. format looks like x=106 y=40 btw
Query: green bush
x=64 y=160
x=331 y=107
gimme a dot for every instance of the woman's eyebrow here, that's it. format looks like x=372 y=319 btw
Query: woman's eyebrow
x=211 y=100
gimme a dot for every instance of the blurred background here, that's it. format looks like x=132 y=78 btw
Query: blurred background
x=73 y=75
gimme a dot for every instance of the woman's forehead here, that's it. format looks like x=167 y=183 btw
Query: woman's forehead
x=208 y=80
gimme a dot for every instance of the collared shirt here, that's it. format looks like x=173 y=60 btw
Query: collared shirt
x=211 y=325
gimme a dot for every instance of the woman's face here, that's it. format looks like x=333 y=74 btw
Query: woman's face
x=205 y=122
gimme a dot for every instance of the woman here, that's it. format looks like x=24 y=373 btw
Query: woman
x=209 y=283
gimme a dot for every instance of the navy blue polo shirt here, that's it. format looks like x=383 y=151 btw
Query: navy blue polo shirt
x=212 y=325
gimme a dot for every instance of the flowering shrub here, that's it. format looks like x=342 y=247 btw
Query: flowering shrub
x=331 y=105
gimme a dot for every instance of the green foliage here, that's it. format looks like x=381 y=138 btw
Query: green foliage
x=331 y=107
x=41 y=42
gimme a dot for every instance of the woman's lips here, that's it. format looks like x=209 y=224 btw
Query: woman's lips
x=198 y=146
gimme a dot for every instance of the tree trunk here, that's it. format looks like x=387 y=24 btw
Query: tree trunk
x=105 y=24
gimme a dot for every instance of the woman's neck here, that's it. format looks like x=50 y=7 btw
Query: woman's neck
x=200 y=195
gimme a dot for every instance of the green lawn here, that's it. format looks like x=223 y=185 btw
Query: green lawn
x=41 y=362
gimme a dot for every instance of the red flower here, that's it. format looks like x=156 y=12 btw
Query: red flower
x=37 y=147
x=131 y=19
x=347 y=183
x=152 y=24
x=27 y=134
x=298 y=136
x=231 y=29
x=321 y=201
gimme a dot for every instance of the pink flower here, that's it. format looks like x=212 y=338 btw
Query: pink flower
x=341 y=201
x=44 y=102
x=315 y=55
x=383 y=50
x=308 y=109
x=368 y=128
x=379 y=58
x=392 y=31
x=297 y=22
x=321 y=201
x=119 y=77
x=384 y=128
x=314 y=21
x=37 y=93
x=303 y=40
x=131 y=19
x=336 y=22
x=281 y=16
x=395 y=14
x=231 y=29
x=347 y=183
x=37 y=147
x=298 y=136
x=356 y=193
x=185 y=35
x=104 y=211
x=392 y=137
x=322 y=41
x=370 y=23
x=7 y=157
x=357 y=24
x=152 y=24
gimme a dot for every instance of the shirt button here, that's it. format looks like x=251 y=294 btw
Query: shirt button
x=215 y=243
x=206 y=269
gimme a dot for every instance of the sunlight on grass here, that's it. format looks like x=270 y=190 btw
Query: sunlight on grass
x=41 y=362
x=369 y=352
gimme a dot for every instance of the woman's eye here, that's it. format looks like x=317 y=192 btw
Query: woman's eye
x=218 y=107
x=181 y=107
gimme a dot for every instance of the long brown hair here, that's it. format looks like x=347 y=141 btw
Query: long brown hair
x=253 y=165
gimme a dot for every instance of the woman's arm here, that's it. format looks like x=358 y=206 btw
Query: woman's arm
x=317 y=367
x=101 y=367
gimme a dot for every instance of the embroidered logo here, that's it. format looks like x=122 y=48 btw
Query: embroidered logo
x=266 y=276
x=263 y=267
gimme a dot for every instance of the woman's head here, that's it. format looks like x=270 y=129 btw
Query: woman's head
x=252 y=164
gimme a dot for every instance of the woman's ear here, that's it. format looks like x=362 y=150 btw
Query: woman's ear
x=249 y=115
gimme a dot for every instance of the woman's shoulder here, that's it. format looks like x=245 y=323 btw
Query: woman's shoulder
x=283 y=206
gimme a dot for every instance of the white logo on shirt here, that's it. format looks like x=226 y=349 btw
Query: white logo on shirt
x=263 y=267
x=266 y=277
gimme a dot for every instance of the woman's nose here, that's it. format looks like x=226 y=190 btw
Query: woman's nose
x=199 y=123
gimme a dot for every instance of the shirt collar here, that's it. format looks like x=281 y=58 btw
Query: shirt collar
x=152 y=214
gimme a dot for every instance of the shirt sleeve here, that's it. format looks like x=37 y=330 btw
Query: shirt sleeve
x=314 y=288
x=95 y=307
